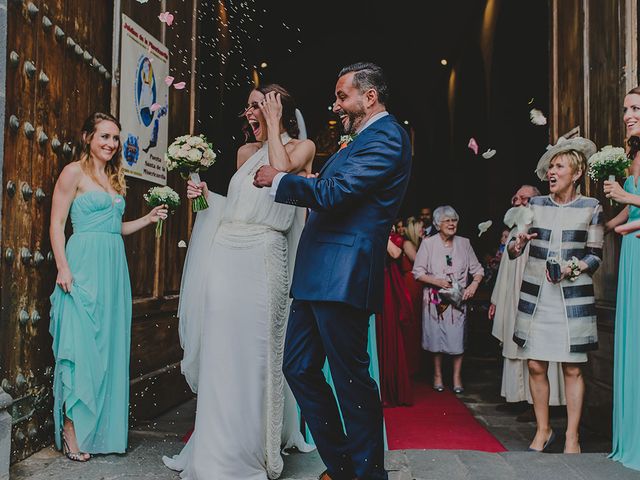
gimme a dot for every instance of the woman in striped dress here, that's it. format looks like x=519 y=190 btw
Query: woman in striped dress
x=556 y=319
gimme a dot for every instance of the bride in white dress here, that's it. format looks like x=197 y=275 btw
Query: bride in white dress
x=234 y=305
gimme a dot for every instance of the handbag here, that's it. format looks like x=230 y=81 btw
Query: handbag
x=454 y=294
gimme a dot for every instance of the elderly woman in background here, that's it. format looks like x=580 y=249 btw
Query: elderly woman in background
x=443 y=260
x=556 y=319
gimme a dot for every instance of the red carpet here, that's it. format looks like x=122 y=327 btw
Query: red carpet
x=436 y=421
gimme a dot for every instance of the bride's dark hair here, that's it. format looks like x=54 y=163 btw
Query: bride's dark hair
x=289 y=121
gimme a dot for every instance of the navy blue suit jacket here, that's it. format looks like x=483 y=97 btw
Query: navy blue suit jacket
x=353 y=203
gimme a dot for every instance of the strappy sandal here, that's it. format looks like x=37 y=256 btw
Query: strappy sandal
x=74 y=456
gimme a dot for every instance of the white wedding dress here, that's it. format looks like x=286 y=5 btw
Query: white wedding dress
x=234 y=305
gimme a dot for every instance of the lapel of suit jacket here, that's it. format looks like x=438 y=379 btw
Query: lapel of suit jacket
x=339 y=153
x=359 y=137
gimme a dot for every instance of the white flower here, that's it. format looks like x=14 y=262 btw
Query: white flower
x=194 y=154
x=537 y=117
x=182 y=244
x=488 y=154
x=194 y=141
x=173 y=150
x=484 y=226
x=518 y=216
x=183 y=138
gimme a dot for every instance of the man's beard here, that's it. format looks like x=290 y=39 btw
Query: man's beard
x=354 y=120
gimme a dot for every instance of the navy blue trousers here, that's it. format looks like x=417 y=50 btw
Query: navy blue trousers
x=337 y=332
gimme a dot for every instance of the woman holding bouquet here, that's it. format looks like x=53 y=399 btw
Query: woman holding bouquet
x=626 y=372
x=91 y=303
x=234 y=306
x=556 y=318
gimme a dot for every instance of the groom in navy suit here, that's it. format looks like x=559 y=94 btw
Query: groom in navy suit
x=338 y=276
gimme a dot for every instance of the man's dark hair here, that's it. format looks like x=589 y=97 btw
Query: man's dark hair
x=368 y=75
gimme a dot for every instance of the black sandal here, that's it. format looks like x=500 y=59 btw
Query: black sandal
x=74 y=456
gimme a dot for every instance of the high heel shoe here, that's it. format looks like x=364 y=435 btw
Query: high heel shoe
x=74 y=456
x=549 y=441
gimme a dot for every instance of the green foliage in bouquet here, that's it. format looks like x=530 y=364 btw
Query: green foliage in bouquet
x=190 y=154
x=157 y=196
x=608 y=162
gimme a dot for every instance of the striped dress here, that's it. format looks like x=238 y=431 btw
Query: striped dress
x=557 y=322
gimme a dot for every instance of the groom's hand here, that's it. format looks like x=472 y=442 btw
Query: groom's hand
x=264 y=176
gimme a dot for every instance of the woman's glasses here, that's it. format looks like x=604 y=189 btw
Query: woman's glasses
x=251 y=106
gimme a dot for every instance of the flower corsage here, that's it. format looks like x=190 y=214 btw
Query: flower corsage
x=574 y=265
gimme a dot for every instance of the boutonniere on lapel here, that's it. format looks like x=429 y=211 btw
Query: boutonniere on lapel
x=346 y=140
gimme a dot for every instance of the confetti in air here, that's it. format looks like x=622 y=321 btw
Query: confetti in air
x=167 y=18
x=520 y=217
x=142 y=1
x=179 y=85
x=537 y=117
x=484 y=226
x=182 y=244
x=168 y=80
x=489 y=154
x=531 y=101
x=473 y=145
x=155 y=106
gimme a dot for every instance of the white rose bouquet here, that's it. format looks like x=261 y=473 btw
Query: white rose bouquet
x=157 y=196
x=608 y=164
x=190 y=154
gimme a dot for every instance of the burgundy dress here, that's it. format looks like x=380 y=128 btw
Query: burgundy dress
x=412 y=332
x=397 y=312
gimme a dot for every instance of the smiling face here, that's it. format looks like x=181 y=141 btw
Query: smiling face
x=350 y=104
x=632 y=114
x=448 y=226
x=254 y=116
x=105 y=141
x=562 y=175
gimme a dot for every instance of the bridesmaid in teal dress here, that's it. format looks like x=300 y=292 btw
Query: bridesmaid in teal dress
x=91 y=304
x=374 y=371
x=626 y=372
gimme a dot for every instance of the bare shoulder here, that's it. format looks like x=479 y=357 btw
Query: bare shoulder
x=245 y=152
x=71 y=173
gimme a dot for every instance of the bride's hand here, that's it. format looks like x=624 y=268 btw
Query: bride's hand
x=271 y=108
x=308 y=175
x=194 y=190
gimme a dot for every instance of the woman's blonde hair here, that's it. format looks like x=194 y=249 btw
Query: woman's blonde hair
x=576 y=159
x=413 y=231
x=114 y=170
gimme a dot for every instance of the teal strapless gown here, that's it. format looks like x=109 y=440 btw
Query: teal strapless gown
x=374 y=371
x=626 y=371
x=91 y=328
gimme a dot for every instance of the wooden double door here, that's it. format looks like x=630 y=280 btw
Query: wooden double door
x=59 y=69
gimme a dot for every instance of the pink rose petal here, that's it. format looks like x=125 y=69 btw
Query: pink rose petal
x=473 y=145
x=168 y=80
x=166 y=17
x=155 y=106
x=179 y=85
